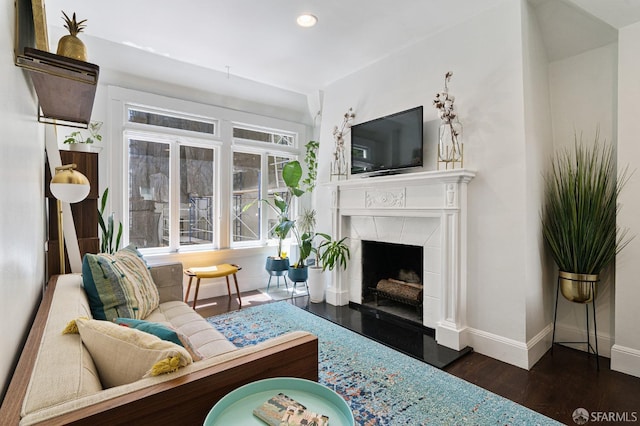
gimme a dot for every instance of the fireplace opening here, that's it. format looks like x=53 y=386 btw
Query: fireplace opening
x=392 y=278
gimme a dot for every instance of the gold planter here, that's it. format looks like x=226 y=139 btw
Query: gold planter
x=578 y=288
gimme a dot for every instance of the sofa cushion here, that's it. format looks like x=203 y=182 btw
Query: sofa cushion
x=119 y=285
x=163 y=331
x=123 y=355
x=203 y=336
x=54 y=382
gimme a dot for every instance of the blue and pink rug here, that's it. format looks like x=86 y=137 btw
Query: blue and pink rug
x=382 y=386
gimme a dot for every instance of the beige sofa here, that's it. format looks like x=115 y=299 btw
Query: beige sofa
x=56 y=381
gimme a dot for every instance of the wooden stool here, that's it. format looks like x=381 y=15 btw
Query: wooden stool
x=217 y=271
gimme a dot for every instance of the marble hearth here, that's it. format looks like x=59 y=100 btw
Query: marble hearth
x=427 y=209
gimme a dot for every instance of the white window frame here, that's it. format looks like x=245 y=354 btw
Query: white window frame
x=265 y=149
x=174 y=143
x=115 y=173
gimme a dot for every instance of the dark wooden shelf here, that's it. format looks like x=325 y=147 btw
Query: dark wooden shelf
x=66 y=87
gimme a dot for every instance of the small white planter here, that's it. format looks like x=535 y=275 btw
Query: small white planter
x=317 y=284
x=82 y=147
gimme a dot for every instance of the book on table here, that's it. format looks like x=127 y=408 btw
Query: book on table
x=281 y=410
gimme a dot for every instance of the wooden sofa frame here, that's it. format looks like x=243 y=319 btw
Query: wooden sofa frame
x=184 y=400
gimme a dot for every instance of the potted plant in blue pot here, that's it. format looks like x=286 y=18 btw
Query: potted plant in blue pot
x=278 y=265
x=304 y=233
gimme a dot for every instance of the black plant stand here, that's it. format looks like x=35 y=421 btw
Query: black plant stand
x=590 y=348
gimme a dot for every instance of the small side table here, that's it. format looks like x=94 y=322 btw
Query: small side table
x=236 y=408
x=216 y=271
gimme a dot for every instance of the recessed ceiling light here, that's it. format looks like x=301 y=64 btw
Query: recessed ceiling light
x=307 y=20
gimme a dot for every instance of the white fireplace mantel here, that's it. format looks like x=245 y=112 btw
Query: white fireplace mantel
x=422 y=208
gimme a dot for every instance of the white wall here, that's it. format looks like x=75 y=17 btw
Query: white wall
x=583 y=100
x=485 y=55
x=538 y=146
x=625 y=354
x=22 y=195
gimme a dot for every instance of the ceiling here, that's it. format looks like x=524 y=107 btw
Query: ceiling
x=260 y=41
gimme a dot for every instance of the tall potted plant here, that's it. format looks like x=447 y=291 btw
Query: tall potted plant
x=291 y=174
x=330 y=254
x=304 y=227
x=304 y=231
x=579 y=216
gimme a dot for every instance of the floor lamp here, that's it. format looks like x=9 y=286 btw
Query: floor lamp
x=70 y=186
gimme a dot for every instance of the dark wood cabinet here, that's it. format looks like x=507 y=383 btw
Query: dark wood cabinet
x=85 y=213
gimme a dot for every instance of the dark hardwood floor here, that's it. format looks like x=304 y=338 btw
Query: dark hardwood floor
x=556 y=386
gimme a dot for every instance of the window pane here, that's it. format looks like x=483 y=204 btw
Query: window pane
x=148 y=194
x=246 y=189
x=276 y=185
x=143 y=117
x=196 y=196
x=262 y=136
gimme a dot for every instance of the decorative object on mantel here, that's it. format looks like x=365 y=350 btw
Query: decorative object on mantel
x=77 y=141
x=339 y=163
x=70 y=45
x=450 y=148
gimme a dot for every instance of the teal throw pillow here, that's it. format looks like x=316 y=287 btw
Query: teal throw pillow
x=119 y=285
x=155 y=328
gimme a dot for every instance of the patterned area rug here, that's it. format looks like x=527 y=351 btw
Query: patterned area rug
x=382 y=386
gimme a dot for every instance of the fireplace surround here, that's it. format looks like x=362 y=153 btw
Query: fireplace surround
x=425 y=209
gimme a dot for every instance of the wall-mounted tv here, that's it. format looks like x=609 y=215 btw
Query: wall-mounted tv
x=387 y=144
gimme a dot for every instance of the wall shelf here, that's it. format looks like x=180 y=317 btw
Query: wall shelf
x=65 y=87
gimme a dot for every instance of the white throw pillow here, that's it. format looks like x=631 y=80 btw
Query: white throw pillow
x=123 y=355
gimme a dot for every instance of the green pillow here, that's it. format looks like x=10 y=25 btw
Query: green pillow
x=155 y=328
x=119 y=285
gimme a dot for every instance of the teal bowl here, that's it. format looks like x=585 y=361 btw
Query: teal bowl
x=236 y=408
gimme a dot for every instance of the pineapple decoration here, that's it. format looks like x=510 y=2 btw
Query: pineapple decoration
x=70 y=45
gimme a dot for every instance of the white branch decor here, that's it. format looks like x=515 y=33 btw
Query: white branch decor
x=339 y=163
x=450 y=134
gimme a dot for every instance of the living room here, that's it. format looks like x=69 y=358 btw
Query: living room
x=519 y=97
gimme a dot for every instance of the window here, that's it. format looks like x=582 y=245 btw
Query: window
x=167 y=210
x=185 y=171
x=278 y=138
x=250 y=215
x=135 y=115
x=257 y=175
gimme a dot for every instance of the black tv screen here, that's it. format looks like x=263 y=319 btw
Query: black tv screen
x=387 y=143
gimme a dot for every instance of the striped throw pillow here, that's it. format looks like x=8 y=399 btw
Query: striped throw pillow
x=119 y=285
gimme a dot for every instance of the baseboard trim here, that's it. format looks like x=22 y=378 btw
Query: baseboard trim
x=520 y=354
x=625 y=360
x=498 y=347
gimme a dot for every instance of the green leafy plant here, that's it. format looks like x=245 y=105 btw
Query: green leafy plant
x=107 y=228
x=311 y=161
x=291 y=175
x=332 y=253
x=78 y=137
x=580 y=209
x=304 y=231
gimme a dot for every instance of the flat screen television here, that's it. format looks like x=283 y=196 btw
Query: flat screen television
x=387 y=144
